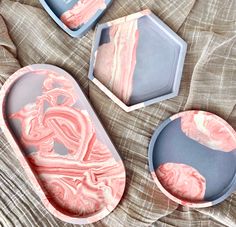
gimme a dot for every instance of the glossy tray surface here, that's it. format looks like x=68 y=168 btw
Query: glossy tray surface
x=192 y=158
x=61 y=144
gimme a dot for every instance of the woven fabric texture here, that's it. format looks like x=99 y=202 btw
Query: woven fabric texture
x=28 y=36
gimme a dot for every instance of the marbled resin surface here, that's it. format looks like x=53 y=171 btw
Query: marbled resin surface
x=209 y=130
x=82 y=12
x=201 y=149
x=78 y=174
x=116 y=60
x=137 y=60
x=182 y=181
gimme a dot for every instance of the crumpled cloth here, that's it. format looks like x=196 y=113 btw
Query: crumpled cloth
x=28 y=36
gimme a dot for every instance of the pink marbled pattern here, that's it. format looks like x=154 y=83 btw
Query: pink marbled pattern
x=109 y=180
x=116 y=60
x=209 y=130
x=182 y=181
x=82 y=12
x=85 y=180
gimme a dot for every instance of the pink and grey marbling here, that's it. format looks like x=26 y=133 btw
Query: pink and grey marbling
x=116 y=60
x=178 y=200
x=82 y=186
x=130 y=55
x=183 y=181
x=187 y=167
x=209 y=130
x=82 y=12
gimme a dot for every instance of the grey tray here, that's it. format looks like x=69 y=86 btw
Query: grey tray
x=160 y=58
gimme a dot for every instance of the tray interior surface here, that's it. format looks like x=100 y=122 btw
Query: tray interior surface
x=69 y=176
x=218 y=168
x=157 y=58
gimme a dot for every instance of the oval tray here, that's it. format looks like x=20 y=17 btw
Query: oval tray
x=192 y=158
x=61 y=144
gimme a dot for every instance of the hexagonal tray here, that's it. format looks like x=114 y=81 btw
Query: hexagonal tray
x=61 y=144
x=76 y=17
x=137 y=60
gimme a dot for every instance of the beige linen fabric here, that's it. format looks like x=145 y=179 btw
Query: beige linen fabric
x=28 y=36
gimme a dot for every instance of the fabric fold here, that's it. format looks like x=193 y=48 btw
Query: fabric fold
x=8 y=53
x=28 y=35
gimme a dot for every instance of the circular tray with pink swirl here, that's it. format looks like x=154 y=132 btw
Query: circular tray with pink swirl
x=61 y=144
x=192 y=158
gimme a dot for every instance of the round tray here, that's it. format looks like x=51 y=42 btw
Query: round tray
x=192 y=158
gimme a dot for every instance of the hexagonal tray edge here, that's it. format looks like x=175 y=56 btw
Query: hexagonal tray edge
x=168 y=31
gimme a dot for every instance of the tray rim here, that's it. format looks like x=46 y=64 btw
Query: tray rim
x=25 y=165
x=80 y=32
x=225 y=194
x=179 y=70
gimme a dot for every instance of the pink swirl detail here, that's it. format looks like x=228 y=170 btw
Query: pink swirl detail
x=88 y=178
x=116 y=60
x=182 y=181
x=82 y=12
x=209 y=130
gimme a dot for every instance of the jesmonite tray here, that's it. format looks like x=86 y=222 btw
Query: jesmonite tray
x=137 y=60
x=192 y=158
x=61 y=144
x=76 y=17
